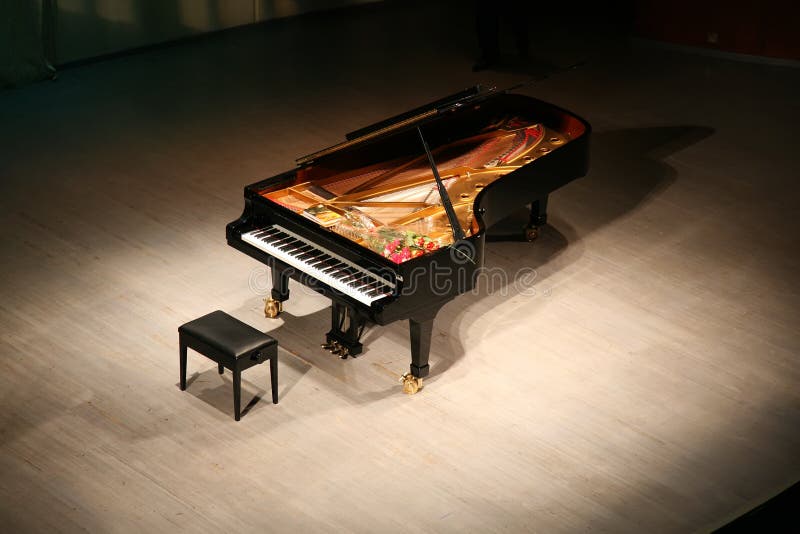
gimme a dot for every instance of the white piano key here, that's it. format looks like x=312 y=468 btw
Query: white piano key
x=306 y=257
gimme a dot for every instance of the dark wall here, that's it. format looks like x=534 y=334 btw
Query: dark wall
x=764 y=28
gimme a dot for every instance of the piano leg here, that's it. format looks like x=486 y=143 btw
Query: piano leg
x=421 y=327
x=280 y=290
x=280 y=282
x=421 y=332
x=538 y=217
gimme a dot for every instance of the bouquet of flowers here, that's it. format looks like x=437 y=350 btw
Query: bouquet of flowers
x=400 y=246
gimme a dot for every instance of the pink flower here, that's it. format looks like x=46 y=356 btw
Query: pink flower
x=405 y=254
x=396 y=257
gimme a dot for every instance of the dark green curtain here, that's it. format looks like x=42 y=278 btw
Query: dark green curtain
x=26 y=41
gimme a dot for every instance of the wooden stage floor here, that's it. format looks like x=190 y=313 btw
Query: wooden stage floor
x=646 y=380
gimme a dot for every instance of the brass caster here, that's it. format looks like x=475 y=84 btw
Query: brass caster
x=272 y=308
x=531 y=233
x=411 y=384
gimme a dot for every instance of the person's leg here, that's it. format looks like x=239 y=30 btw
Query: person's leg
x=487 y=22
x=519 y=10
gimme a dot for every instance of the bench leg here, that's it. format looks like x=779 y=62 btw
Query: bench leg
x=182 y=354
x=273 y=377
x=237 y=392
x=220 y=368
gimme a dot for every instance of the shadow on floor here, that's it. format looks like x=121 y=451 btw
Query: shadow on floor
x=626 y=171
x=217 y=390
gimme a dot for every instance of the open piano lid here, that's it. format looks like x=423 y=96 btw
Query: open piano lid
x=392 y=206
x=402 y=121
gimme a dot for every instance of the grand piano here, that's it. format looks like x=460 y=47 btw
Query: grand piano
x=391 y=223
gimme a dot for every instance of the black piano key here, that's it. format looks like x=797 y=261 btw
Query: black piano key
x=289 y=245
x=319 y=261
x=341 y=274
x=305 y=256
x=324 y=261
x=260 y=233
x=354 y=281
x=347 y=273
x=360 y=281
x=360 y=287
x=372 y=286
x=383 y=290
x=336 y=264
x=300 y=249
x=279 y=238
x=353 y=277
x=335 y=271
x=331 y=270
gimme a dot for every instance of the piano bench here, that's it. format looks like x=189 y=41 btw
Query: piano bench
x=232 y=344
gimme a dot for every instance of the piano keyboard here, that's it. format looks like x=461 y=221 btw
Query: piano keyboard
x=322 y=264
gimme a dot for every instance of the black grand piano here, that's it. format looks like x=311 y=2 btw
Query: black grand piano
x=391 y=223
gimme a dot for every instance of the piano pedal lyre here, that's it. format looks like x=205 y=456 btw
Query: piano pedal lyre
x=411 y=383
x=272 y=308
x=347 y=325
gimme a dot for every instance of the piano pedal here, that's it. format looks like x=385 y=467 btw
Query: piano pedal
x=334 y=347
x=411 y=383
x=272 y=308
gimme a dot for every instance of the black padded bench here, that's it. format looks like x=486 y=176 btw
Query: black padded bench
x=232 y=344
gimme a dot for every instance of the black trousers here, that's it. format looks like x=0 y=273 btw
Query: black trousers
x=488 y=14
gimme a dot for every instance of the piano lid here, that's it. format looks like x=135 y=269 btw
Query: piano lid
x=382 y=194
x=403 y=120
